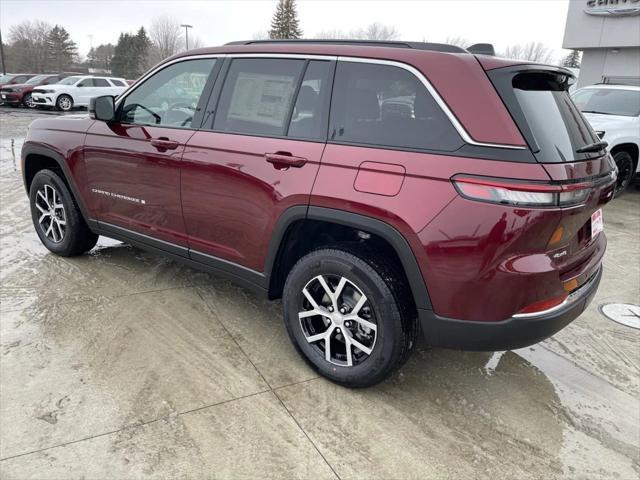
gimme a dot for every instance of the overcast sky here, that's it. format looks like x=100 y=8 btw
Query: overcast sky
x=501 y=22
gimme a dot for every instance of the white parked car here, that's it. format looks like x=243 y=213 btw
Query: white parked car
x=76 y=91
x=614 y=113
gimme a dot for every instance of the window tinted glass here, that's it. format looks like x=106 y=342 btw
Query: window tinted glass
x=117 y=83
x=100 y=82
x=308 y=119
x=557 y=125
x=608 y=101
x=169 y=97
x=69 y=81
x=387 y=106
x=87 y=82
x=257 y=95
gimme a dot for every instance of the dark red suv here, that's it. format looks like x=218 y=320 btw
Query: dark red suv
x=379 y=189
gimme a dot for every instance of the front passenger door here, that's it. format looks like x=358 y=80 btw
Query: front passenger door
x=133 y=163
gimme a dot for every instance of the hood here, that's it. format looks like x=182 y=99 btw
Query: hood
x=604 y=122
x=15 y=86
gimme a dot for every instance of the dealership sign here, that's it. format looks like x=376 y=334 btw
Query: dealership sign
x=613 y=8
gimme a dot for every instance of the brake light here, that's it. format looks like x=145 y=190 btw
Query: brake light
x=521 y=193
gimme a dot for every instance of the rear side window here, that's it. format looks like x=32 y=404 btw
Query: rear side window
x=308 y=119
x=384 y=105
x=100 y=82
x=117 y=83
x=257 y=96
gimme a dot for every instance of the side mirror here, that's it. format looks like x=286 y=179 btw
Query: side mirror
x=102 y=108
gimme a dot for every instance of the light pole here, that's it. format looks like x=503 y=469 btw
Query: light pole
x=186 y=33
x=4 y=70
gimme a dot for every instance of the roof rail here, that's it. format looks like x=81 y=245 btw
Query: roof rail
x=437 y=47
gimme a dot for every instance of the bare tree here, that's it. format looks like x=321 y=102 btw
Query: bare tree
x=28 y=44
x=261 y=35
x=379 y=31
x=458 y=41
x=195 y=42
x=374 y=31
x=532 y=51
x=166 y=37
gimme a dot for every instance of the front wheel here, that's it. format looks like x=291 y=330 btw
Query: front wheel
x=57 y=218
x=346 y=315
x=64 y=103
x=28 y=102
x=626 y=171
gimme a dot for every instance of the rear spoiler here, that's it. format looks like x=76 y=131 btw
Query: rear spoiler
x=482 y=49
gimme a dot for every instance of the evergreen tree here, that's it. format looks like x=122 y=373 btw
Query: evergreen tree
x=61 y=50
x=572 y=60
x=100 y=56
x=130 y=55
x=285 y=23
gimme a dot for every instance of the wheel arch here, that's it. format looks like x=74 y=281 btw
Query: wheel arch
x=632 y=148
x=286 y=245
x=39 y=157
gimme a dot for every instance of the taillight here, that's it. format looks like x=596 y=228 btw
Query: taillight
x=521 y=193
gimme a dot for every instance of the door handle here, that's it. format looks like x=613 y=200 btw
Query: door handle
x=163 y=144
x=284 y=160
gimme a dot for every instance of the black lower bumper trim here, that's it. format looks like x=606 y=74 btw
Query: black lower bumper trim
x=506 y=335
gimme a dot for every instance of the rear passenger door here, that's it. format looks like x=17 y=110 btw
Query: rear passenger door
x=257 y=154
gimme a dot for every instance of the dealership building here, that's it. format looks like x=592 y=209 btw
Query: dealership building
x=608 y=34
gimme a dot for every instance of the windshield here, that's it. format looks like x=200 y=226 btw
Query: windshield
x=36 y=80
x=69 y=81
x=608 y=101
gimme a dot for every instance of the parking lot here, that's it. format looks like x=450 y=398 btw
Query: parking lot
x=124 y=364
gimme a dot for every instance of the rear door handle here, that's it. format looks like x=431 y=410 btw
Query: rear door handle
x=283 y=160
x=164 y=144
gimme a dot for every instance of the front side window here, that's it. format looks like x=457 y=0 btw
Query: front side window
x=69 y=81
x=169 y=97
x=87 y=82
x=257 y=96
x=384 y=105
x=100 y=82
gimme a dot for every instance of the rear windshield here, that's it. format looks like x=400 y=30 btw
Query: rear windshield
x=555 y=122
x=608 y=101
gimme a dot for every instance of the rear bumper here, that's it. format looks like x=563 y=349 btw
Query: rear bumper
x=516 y=332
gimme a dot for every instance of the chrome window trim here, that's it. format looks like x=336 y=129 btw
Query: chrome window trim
x=436 y=96
x=162 y=66
x=417 y=73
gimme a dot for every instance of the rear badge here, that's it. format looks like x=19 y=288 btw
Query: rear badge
x=623 y=313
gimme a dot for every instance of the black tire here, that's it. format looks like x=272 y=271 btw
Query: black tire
x=626 y=171
x=387 y=303
x=76 y=238
x=27 y=101
x=64 y=103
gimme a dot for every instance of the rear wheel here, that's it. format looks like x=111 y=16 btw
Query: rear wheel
x=64 y=103
x=57 y=218
x=346 y=316
x=626 y=171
